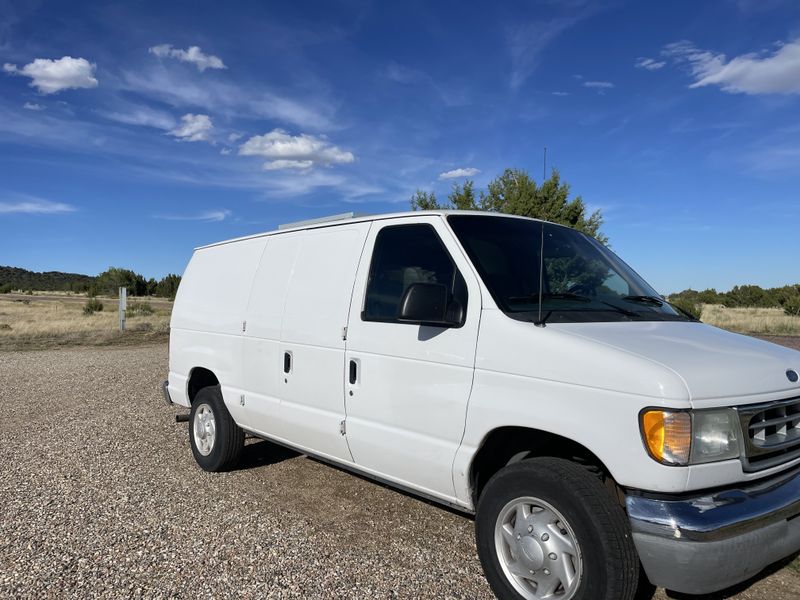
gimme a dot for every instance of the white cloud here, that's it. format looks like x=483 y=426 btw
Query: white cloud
x=599 y=85
x=402 y=74
x=225 y=151
x=456 y=173
x=193 y=55
x=527 y=41
x=143 y=116
x=234 y=136
x=449 y=94
x=285 y=151
x=52 y=76
x=225 y=98
x=754 y=73
x=293 y=183
x=193 y=128
x=210 y=216
x=561 y=94
x=34 y=206
x=649 y=63
x=283 y=163
x=32 y=106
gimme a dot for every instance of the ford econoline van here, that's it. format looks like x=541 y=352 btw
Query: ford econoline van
x=510 y=368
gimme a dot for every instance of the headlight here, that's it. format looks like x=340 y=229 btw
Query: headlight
x=683 y=438
x=715 y=436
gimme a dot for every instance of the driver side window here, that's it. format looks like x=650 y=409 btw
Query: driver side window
x=403 y=255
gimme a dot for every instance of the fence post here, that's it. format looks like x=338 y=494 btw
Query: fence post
x=123 y=305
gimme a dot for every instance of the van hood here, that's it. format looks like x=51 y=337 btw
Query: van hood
x=713 y=363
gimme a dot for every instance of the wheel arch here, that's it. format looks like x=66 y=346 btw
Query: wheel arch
x=507 y=445
x=199 y=378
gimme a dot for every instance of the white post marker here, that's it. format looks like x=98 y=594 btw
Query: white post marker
x=123 y=305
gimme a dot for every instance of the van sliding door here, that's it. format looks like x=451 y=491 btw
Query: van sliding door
x=312 y=338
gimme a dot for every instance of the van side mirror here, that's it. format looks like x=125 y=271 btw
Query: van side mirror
x=425 y=304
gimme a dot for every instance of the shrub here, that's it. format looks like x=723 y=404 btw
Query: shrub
x=139 y=309
x=6 y=288
x=5 y=327
x=693 y=308
x=791 y=306
x=92 y=306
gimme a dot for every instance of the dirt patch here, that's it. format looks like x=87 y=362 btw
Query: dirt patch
x=784 y=340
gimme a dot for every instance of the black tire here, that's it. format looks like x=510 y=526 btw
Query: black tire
x=228 y=436
x=610 y=565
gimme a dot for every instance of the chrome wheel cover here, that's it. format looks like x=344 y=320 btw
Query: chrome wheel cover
x=537 y=550
x=205 y=429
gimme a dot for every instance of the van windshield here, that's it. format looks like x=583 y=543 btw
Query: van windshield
x=582 y=280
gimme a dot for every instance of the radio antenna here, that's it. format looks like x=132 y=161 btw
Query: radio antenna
x=544 y=165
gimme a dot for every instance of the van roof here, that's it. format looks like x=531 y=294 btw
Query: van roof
x=347 y=218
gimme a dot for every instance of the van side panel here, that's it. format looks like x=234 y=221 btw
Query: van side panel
x=261 y=357
x=315 y=314
x=206 y=324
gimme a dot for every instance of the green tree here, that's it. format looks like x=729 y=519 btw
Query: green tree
x=515 y=192
x=747 y=295
x=109 y=282
x=168 y=286
x=422 y=200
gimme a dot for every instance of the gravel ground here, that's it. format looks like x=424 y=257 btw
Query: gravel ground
x=100 y=497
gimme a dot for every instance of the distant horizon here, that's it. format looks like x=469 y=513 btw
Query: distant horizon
x=134 y=132
x=180 y=274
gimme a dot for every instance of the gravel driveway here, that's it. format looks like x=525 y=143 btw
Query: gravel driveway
x=100 y=497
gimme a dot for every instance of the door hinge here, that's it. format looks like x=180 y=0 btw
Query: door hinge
x=344 y=333
x=244 y=326
x=342 y=427
x=241 y=399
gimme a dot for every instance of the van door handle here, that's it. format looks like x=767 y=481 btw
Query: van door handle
x=287 y=362
x=353 y=372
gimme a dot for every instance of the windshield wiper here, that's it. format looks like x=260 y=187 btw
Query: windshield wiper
x=660 y=302
x=645 y=300
x=685 y=313
x=619 y=309
x=547 y=296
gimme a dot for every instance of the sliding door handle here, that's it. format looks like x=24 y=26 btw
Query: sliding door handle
x=353 y=372
x=287 y=362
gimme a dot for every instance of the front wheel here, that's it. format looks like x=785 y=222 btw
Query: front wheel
x=546 y=528
x=216 y=440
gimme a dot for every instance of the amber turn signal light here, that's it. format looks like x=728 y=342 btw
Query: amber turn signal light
x=667 y=435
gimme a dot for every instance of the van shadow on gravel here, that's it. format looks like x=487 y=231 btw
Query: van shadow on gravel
x=262 y=453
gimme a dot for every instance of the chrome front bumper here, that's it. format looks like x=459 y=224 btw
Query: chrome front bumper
x=706 y=543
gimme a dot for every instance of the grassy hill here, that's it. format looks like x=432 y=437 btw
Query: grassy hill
x=22 y=279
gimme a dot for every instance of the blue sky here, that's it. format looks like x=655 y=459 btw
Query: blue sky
x=131 y=132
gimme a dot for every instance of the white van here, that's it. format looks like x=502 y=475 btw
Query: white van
x=511 y=368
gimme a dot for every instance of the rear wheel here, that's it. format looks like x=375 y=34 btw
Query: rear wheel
x=548 y=529
x=216 y=440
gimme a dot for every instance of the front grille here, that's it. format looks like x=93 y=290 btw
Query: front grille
x=772 y=433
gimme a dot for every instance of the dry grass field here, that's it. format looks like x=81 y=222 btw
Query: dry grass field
x=46 y=321
x=52 y=319
x=762 y=321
